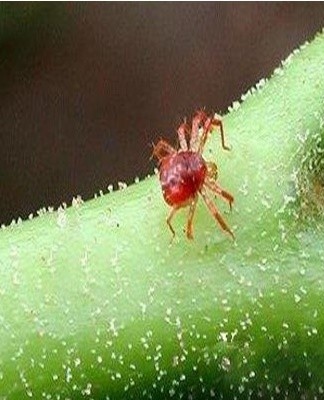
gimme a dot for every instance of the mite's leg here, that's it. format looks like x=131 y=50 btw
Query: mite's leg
x=162 y=149
x=192 y=210
x=182 y=131
x=198 y=120
x=214 y=211
x=217 y=121
x=169 y=219
x=210 y=123
x=214 y=187
x=211 y=183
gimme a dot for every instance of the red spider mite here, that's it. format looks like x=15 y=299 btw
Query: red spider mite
x=184 y=174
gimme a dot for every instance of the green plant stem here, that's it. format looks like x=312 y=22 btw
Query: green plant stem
x=95 y=302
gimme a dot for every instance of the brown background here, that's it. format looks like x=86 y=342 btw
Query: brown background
x=85 y=88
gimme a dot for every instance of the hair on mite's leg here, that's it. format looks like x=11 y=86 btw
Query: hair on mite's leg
x=183 y=130
x=162 y=149
x=214 y=211
x=216 y=189
x=192 y=209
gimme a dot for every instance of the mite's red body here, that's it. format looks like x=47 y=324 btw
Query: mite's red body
x=184 y=174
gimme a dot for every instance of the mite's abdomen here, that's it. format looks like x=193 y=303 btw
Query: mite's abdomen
x=182 y=175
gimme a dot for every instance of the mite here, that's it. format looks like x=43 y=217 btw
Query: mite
x=184 y=174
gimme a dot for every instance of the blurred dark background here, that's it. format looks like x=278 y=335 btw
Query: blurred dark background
x=86 y=87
